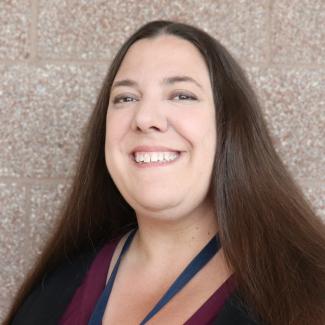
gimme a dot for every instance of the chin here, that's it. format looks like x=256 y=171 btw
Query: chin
x=150 y=203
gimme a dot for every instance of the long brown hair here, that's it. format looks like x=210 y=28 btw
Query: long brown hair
x=272 y=239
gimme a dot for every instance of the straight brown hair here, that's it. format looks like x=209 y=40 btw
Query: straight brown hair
x=272 y=239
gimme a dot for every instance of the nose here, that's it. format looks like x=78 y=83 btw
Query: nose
x=149 y=116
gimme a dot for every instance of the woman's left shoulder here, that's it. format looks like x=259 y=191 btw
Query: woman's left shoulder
x=235 y=312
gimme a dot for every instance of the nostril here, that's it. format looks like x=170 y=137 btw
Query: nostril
x=145 y=128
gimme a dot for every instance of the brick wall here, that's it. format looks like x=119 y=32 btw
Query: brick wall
x=54 y=55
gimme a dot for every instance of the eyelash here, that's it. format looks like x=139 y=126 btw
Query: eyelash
x=117 y=99
x=189 y=97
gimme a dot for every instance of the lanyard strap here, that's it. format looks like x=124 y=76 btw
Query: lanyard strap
x=199 y=261
x=98 y=313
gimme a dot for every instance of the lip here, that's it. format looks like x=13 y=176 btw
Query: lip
x=153 y=149
x=146 y=148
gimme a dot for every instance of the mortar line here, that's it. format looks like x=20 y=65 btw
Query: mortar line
x=56 y=61
x=29 y=181
x=269 y=33
x=33 y=31
x=28 y=240
x=39 y=63
x=309 y=182
x=284 y=66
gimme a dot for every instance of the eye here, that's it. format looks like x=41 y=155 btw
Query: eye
x=183 y=96
x=123 y=99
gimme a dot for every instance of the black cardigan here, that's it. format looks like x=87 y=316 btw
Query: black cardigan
x=49 y=300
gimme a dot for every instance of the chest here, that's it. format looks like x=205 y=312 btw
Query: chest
x=134 y=295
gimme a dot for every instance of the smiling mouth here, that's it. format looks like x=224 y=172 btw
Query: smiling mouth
x=155 y=159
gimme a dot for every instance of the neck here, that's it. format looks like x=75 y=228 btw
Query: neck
x=172 y=240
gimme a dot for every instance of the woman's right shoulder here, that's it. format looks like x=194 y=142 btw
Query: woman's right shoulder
x=49 y=298
x=42 y=305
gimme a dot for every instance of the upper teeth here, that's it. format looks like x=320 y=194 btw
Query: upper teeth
x=154 y=156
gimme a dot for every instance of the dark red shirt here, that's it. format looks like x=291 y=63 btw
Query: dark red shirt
x=84 y=300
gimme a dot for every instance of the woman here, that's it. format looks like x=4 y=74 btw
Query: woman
x=179 y=191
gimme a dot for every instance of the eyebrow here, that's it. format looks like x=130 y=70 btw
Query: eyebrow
x=166 y=81
x=175 y=79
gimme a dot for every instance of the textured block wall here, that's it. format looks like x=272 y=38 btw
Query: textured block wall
x=54 y=55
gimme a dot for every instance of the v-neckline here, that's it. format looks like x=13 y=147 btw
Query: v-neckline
x=84 y=300
x=197 y=263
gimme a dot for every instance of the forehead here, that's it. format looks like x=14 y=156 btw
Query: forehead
x=163 y=55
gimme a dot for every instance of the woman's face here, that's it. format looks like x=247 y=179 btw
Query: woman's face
x=160 y=130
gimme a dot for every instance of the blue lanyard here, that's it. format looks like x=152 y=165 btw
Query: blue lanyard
x=198 y=262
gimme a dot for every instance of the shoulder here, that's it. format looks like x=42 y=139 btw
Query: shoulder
x=235 y=312
x=49 y=298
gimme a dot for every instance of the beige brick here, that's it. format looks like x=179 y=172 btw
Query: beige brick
x=293 y=100
x=298 y=33
x=43 y=110
x=15 y=24
x=14 y=230
x=315 y=193
x=95 y=29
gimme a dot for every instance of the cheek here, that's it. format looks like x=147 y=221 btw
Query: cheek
x=197 y=127
x=113 y=136
x=117 y=125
